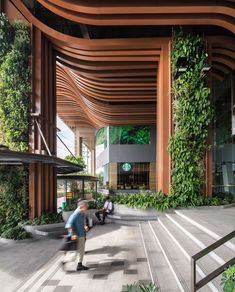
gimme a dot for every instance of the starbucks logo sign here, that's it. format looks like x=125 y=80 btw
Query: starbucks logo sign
x=126 y=166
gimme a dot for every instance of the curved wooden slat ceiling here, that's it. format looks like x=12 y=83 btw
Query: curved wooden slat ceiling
x=222 y=55
x=99 y=112
x=114 y=81
x=148 y=12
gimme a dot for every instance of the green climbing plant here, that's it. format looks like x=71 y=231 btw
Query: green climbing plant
x=193 y=113
x=15 y=90
x=15 y=84
x=76 y=159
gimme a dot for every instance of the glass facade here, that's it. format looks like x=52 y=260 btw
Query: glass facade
x=100 y=140
x=224 y=131
x=132 y=176
x=129 y=134
x=126 y=157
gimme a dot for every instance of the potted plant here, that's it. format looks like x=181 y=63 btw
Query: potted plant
x=68 y=210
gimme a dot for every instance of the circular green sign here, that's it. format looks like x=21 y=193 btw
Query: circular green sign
x=126 y=166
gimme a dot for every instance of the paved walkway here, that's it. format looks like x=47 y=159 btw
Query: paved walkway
x=121 y=254
x=18 y=260
x=116 y=255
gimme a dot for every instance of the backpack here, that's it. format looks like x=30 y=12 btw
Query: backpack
x=112 y=210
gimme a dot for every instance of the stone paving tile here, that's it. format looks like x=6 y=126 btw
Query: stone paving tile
x=141 y=260
x=48 y=289
x=69 y=280
x=51 y=283
x=63 y=288
x=130 y=272
x=118 y=263
x=115 y=258
x=99 y=276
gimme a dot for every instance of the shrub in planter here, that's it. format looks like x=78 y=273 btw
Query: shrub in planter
x=92 y=204
x=47 y=218
x=161 y=202
x=228 y=279
x=16 y=232
x=70 y=207
x=140 y=287
x=99 y=198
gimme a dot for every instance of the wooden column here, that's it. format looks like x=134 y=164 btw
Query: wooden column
x=77 y=142
x=93 y=162
x=113 y=175
x=152 y=176
x=42 y=177
x=163 y=120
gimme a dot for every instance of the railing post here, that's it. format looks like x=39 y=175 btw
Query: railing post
x=193 y=275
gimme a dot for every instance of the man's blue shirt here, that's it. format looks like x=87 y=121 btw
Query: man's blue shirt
x=76 y=222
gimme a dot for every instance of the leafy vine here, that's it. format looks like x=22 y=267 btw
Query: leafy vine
x=15 y=90
x=15 y=84
x=192 y=113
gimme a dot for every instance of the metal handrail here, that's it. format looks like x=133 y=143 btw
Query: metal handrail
x=197 y=285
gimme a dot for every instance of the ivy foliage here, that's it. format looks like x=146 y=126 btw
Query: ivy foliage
x=15 y=90
x=228 y=279
x=193 y=113
x=15 y=84
x=13 y=201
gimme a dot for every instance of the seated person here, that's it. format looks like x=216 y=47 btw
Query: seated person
x=107 y=209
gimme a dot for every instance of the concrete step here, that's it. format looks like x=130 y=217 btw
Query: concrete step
x=208 y=221
x=124 y=210
x=175 y=258
x=118 y=217
x=188 y=247
x=201 y=239
x=157 y=261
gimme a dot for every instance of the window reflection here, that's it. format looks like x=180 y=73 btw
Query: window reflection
x=224 y=130
x=133 y=176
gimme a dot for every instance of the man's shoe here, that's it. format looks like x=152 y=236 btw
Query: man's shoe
x=80 y=267
x=102 y=223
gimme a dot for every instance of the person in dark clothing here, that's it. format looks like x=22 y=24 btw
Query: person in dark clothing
x=107 y=209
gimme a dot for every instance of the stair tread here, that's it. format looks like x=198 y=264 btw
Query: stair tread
x=209 y=218
x=178 y=260
x=206 y=264
x=158 y=264
x=223 y=251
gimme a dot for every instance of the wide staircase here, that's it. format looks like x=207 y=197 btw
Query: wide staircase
x=171 y=241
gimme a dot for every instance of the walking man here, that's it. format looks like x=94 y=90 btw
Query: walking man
x=75 y=226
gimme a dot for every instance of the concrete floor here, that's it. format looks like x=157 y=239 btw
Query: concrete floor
x=115 y=255
x=19 y=260
x=118 y=254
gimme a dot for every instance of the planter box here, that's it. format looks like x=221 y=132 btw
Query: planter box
x=66 y=215
x=55 y=229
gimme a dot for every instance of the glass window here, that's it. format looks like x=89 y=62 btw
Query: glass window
x=129 y=135
x=224 y=130
x=133 y=176
x=101 y=140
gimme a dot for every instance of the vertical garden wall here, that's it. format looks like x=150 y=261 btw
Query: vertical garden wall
x=192 y=114
x=15 y=90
